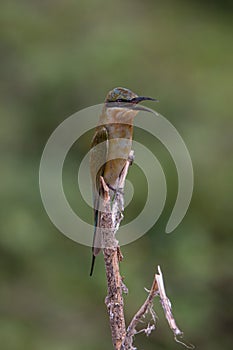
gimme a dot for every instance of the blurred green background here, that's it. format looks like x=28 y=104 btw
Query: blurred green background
x=58 y=57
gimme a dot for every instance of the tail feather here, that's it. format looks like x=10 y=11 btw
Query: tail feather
x=92 y=264
x=97 y=240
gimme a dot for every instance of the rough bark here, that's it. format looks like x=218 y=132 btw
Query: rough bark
x=111 y=216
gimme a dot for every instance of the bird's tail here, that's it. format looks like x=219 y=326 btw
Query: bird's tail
x=97 y=239
x=92 y=264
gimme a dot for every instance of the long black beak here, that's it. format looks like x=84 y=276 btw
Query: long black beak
x=142 y=98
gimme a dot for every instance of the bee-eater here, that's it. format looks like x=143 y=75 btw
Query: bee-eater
x=110 y=149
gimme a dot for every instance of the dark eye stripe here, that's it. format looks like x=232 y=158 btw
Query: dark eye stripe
x=119 y=100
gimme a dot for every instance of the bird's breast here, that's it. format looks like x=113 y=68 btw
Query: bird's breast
x=119 y=147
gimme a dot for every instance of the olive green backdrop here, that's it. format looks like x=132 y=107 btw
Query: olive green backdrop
x=58 y=57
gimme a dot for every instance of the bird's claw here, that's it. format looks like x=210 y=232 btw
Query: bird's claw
x=116 y=190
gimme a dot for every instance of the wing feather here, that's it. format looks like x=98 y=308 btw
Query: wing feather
x=98 y=158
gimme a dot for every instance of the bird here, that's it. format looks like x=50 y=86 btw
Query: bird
x=110 y=148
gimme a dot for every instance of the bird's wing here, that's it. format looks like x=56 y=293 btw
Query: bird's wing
x=98 y=155
x=98 y=158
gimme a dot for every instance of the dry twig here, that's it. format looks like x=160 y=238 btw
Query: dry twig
x=131 y=330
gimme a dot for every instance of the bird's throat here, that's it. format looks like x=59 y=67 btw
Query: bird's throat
x=118 y=115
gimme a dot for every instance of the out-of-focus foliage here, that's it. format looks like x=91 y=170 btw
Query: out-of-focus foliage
x=60 y=56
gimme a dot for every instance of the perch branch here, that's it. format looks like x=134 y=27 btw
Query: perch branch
x=111 y=216
x=110 y=221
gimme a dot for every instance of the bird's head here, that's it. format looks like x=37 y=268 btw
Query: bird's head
x=124 y=97
x=121 y=104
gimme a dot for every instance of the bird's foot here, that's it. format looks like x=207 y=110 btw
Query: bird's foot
x=116 y=190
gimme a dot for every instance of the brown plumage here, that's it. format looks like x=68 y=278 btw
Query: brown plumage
x=110 y=149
